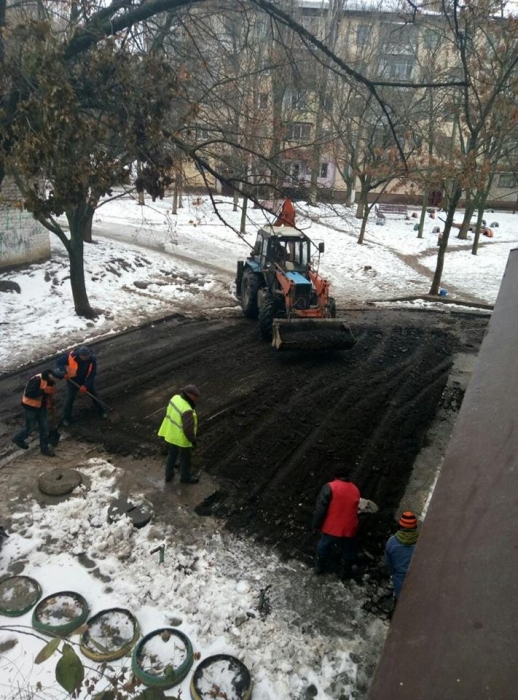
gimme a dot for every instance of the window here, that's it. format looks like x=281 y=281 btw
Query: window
x=298 y=132
x=398 y=67
x=507 y=180
x=262 y=100
x=295 y=171
x=363 y=34
x=431 y=39
x=297 y=100
x=203 y=133
x=323 y=169
x=327 y=104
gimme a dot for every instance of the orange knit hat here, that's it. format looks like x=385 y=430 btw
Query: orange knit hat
x=408 y=520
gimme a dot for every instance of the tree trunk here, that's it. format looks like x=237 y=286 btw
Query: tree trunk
x=236 y=200
x=470 y=208
x=480 y=216
x=180 y=190
x=242 y=228
x=359 y=208
x=452 y=206
x=174 y=210
x=87 y=225
x=78 y=221
x=423 y=213
x=365 y=218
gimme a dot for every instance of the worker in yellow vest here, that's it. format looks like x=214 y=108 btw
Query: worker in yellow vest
x=179 y=429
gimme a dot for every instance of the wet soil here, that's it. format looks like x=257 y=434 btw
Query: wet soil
x=274 y=425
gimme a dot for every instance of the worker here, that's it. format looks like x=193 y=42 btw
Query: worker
x=179 y=429
x=286 y=216
x=336 y=516
x=37 y=397
x=79 y=368
x=400 y=549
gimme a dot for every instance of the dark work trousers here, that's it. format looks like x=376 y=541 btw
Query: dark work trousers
x=35 y=417
x=346 y=547
x=70 y=398
x=183 y=454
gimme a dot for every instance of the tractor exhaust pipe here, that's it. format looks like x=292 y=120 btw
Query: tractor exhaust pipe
x=311 y=334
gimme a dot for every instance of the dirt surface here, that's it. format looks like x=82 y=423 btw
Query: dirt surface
x=273 y=425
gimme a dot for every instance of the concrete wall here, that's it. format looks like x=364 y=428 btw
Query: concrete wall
x=22 y=239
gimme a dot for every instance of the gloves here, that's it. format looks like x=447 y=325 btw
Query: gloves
x=82 y=390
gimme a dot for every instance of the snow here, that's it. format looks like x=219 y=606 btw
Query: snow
x=210 y=588
x=147 y=264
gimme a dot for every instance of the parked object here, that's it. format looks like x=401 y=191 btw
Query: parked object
x=495 y=224
x=278 y=285
x=110 y=635
x=18 y=594
x=59 y=614
x=488 y=232
x=162 y=658
x=436 y=229
x=221 y=676
x=443 y=292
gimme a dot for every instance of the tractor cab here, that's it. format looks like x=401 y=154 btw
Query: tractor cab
x=282 y=246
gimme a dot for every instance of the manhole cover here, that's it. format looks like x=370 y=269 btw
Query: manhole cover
x=60 y=614
x=111 y=634
x=162 y=658
x=18 y=594
x=221 y=676
x=59 y=482
x=139 y=512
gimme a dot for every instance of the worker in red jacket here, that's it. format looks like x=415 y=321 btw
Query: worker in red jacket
x=38 y=395
x=336 y=516
x=286 y=216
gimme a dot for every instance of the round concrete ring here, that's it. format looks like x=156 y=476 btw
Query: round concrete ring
x=174 y=676
x=58 y=482
x=61 y=630
x=103 y=655
x=32 y=594
x=198 y=694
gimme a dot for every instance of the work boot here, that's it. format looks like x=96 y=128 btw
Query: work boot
x=48 y=452
x=320 y=565
x=193 y=479
x=21 y=444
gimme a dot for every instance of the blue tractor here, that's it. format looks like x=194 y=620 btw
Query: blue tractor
x=279 y=286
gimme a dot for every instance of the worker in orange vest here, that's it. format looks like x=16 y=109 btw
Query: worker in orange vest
x=336 y=516
x=37 y=397
x=79 y=366
x=287 y=214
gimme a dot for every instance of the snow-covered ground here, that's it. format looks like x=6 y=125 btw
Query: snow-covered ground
x=147 y=263
x=209 y=590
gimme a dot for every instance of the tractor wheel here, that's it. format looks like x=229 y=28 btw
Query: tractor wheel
x=249 y=289
x=266 y=316
x=332 y=307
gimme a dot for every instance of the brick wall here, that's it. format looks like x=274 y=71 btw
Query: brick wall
x=22 y=239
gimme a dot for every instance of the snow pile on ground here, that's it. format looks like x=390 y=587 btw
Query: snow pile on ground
x=312 y=631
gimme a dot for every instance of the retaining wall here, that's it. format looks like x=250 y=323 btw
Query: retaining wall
x=23 y=240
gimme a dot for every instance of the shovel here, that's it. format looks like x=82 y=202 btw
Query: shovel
x=112 y=413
